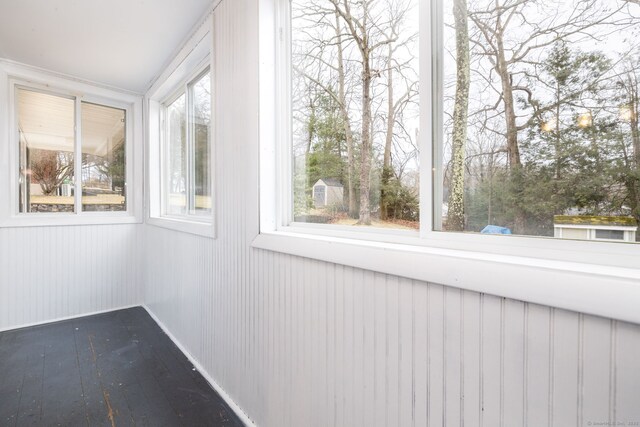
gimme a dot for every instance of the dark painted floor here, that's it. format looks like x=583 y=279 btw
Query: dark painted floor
x=114 y=369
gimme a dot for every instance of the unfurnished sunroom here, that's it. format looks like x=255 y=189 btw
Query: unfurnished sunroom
x=320 y=212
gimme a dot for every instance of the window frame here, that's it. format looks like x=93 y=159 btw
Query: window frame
x=189 y=63
x=184 y=88
x=596 y=277
x=31 y=79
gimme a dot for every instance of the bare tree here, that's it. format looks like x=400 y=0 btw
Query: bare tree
x=398 y=73
x=509 y=56
x=342 y=101
x=50 y=169
x=321 y=59
x=631 y=113
x=370 y=33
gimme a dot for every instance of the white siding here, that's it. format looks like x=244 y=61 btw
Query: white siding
x=49 y=273
x=298 y=342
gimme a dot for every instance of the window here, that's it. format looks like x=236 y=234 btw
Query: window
x=610 y=234
x=186 y=170
x=355 y=113
x=534 y=113
x=64 y=170
x=538 y=118
x=303 y=130
x=104 y=159
x=46 y=137
x=180 y=148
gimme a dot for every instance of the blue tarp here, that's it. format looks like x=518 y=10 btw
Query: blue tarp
x=495 y=229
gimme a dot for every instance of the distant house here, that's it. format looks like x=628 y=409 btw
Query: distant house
x=327 y=192
x=582 y=227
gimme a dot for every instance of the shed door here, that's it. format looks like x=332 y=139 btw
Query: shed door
x=319 y=195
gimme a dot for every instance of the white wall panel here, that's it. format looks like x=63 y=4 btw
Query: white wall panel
x=49 y=273
x=299 y=342
x=332 y=345
x=625 y=390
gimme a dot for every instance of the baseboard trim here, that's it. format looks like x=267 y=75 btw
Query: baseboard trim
x=62 y=319
x=232 y=404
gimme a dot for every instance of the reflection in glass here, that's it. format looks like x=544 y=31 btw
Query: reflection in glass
x=539 y=120
x=175 y=188
x=200 y=199
x=103 y=158
x=46 y=142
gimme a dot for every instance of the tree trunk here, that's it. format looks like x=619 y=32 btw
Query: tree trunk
x=513 y=151
x=490 y=203
x=348 y=132
x=311 y=129
x=635 y=137
x=557 y=138
x=365 y=165
x=510 y=114
x=364 y=217
x=386 y=164
x=455 y=212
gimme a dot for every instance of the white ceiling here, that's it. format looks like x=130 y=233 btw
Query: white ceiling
x=121 y=43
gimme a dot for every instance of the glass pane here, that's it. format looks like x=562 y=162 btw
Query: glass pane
x=200 y=122
x=540 y=131
x=355 y=112
x=46 y=141
x=610 y=234
x=175 y=175
x=104 y=185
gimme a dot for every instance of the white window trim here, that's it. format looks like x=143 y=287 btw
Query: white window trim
x=182 y=89
x=14 y=74
x=191 y=61
x=593 y=277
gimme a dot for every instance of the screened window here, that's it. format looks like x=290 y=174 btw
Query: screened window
x=62 y=170
x=186 y=171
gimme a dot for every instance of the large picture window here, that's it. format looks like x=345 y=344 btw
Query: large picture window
x=533 y=112
x=61 y=169
x=186 y=170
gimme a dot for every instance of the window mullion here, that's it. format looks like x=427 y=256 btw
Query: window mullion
x=284 y=131
x=431 y=105
x=77 y=164
x=165 y=162
x=190 y=151
x=164 y=129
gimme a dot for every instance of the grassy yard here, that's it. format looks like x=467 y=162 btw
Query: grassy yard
x=342 y=218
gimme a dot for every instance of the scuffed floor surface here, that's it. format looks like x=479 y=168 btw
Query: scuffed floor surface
x=114 y=369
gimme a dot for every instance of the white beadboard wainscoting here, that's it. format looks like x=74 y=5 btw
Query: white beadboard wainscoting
x=301 y=342
x=53 y=273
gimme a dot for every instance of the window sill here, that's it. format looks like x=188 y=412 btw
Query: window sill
x=604 y=290
x=63 y=220
x=204 y=229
